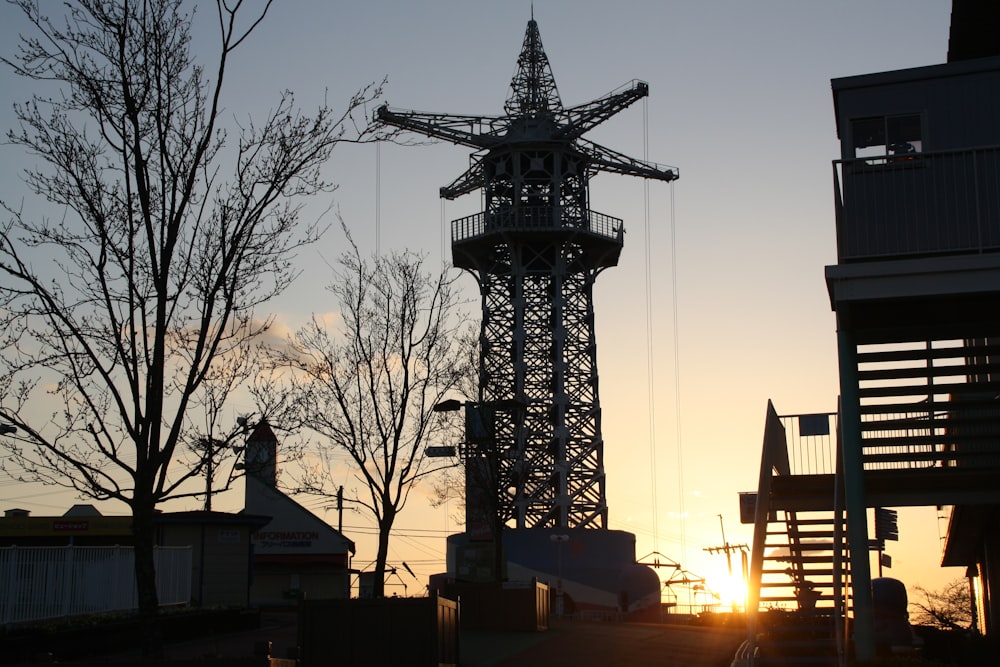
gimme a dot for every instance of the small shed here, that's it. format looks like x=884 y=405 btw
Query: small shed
x=221 y=553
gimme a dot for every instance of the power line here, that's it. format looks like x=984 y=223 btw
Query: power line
x=650 y=369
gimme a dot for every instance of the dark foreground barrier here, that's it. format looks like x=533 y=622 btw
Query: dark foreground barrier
x=388 y=631
x=85 y=638
x=518 y=607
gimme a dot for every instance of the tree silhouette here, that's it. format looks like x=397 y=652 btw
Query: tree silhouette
x=949 y=608
x=141 y=291
x=368 y=383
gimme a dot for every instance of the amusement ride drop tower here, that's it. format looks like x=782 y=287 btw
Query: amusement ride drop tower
x=536 y=250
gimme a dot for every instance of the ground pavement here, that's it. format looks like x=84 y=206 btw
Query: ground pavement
x=567 y=642
x=609 y=644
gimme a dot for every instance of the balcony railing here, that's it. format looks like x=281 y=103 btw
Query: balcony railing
x=963 y=434
x=901 y=441
x=918 y=204
x=812 y=443
x=929 y=404
x=535 y=219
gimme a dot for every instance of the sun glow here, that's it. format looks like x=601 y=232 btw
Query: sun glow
x=731 y=591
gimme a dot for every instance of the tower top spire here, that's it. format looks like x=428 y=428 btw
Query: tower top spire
x=533 y=89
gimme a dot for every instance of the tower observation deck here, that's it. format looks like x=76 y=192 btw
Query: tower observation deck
x=535 y=252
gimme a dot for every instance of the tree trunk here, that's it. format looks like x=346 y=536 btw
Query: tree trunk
x=145 y=578
x=378 y=590
x=384 y=531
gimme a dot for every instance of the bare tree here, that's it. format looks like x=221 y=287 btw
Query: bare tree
x=368 y=384
x=949 y=608
x=141 y=291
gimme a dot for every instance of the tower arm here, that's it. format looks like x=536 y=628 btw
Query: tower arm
x=605 y=159
x=472 y=131
x=584 y=117
x=471 y=180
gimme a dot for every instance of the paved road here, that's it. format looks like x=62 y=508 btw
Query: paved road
x=567 y=642
x=583 y=644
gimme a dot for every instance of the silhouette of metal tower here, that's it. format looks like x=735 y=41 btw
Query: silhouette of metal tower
x=536 y=251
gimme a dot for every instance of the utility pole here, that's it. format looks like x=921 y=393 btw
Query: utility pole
x=728 y=549
x=340 y=510
x=341 y=502
x=209 y=453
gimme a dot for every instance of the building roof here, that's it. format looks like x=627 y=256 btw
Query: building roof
x=289 y=517
x=200 y=517
x=922 y=73
x=263 y=432
x=113 y=526
x=910 y=74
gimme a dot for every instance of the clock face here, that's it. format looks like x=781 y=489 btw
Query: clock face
x=256 y=457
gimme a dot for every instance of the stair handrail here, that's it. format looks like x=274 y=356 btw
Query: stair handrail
x=839 y=585
x=773 y=460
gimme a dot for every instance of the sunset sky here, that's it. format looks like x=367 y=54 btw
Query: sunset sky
x=739 y=102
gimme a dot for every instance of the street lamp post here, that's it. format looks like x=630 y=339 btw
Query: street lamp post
x=482 y=443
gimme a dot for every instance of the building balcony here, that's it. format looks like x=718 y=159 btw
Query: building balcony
x=918 y=204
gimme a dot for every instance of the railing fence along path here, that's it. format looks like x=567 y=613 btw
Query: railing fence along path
x=51 y=582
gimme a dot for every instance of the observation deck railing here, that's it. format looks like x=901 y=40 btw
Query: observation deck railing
x=535 y=218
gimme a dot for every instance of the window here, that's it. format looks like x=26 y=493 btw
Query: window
x=887 y=138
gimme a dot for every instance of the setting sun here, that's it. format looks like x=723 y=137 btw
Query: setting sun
x=732 y=592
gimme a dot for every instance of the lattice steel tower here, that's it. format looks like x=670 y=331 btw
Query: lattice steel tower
x=535 y=251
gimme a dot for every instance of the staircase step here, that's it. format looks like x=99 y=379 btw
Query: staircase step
x=799 y=559
x=821 y=572
x=810 y=542
x=814 y=521
x=828 y=531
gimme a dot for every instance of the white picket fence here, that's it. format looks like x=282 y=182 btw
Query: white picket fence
x=51 y=582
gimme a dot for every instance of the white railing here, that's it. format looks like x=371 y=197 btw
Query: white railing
x=51 y=582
